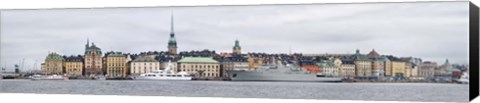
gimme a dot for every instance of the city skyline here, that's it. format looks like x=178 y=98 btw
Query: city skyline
x=317 y=28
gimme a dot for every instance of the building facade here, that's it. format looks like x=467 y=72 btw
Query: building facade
x=347 y=68
x=202 y=66
x=116 y=64
x=53 y=64
x=398 y=69
x=74 y=66
x=143 y=64
x=427 y=69
x=327 y=67
x=93 y=60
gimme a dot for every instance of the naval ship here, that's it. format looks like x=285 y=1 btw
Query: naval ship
x=280 y=72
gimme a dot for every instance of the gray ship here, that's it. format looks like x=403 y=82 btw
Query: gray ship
x=280 y=72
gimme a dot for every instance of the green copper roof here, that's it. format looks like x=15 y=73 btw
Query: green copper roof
x=326 y=63
x=197 y=60
x=54 y=57
x=237 y=45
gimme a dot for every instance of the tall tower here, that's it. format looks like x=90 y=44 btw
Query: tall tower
x=172 y=43
x=237 y=49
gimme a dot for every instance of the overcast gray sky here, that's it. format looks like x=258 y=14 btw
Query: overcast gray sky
x=433 y=31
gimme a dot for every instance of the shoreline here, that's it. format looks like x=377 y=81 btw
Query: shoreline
x=345 y=81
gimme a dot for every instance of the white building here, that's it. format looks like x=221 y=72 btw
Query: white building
x=143 y=64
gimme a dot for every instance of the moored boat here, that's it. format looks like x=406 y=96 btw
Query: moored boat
x=49 y=77
x=280 y=72
x=167 y=74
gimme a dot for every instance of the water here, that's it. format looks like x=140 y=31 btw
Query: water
x=291 y=90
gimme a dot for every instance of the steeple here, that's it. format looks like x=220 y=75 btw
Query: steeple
x=87 y=45
x=172 y=33
x=237 y=48
x=237 y=43
x=172 y=43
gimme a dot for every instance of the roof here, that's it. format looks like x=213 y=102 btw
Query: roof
x=197 y=60
x=373 y=54
x=54 y=57
x=326 y=63
x=73 y=58
x=144 y=59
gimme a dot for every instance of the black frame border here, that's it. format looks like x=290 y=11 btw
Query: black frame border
x=474 y=51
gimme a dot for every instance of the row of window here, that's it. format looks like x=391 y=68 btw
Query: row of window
x=191 y=70
x=145 y=70
x=201 y=66
x=135 y=64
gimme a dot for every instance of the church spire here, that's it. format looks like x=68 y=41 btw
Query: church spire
x=172 y=33
x=237 y=49
x=172 y=43
x=87 y=45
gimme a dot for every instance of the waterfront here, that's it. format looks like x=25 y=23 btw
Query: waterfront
x=431 y=92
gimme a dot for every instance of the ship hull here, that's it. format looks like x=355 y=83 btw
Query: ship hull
x=277 y=76
x=163 y=78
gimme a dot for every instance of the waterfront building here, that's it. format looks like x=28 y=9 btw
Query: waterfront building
x=363 y=66
x=408 y=69
x=93 y=60
x=172 y=42
x=143 y=64
x=328 y=67
x=163 y=59
x=398 y=69
x=233 y=62
x=225 y=65
x=347 y=68
x=310 y=66
x=74 y=65
x=237 y=49
x=116 y=64
x=255 y=61
x=128 y=61
x=378 y=63
x=442 y=69
x=388 y=68
x=413 y=66
x=42 y=67
x=427 y=69
x=53 y=64
x=203 y=66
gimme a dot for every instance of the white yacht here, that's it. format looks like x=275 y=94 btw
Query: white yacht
x=167 y=74
x=49 y=77
x=463 y=79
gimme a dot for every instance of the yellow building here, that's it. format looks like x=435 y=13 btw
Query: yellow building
x=53 y=64
x=398 y=69
x=204 y=66
x=116 y=64
x=388 y=68
x=408 y=69
x=74 y=65
x=254 y=62
x=347 y=67
x=363 y=68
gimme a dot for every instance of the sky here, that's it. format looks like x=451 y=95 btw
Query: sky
x=433 y=31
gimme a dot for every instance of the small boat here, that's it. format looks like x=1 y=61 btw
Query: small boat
x=463 y=79
x=166 y=74
x=49 y=77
